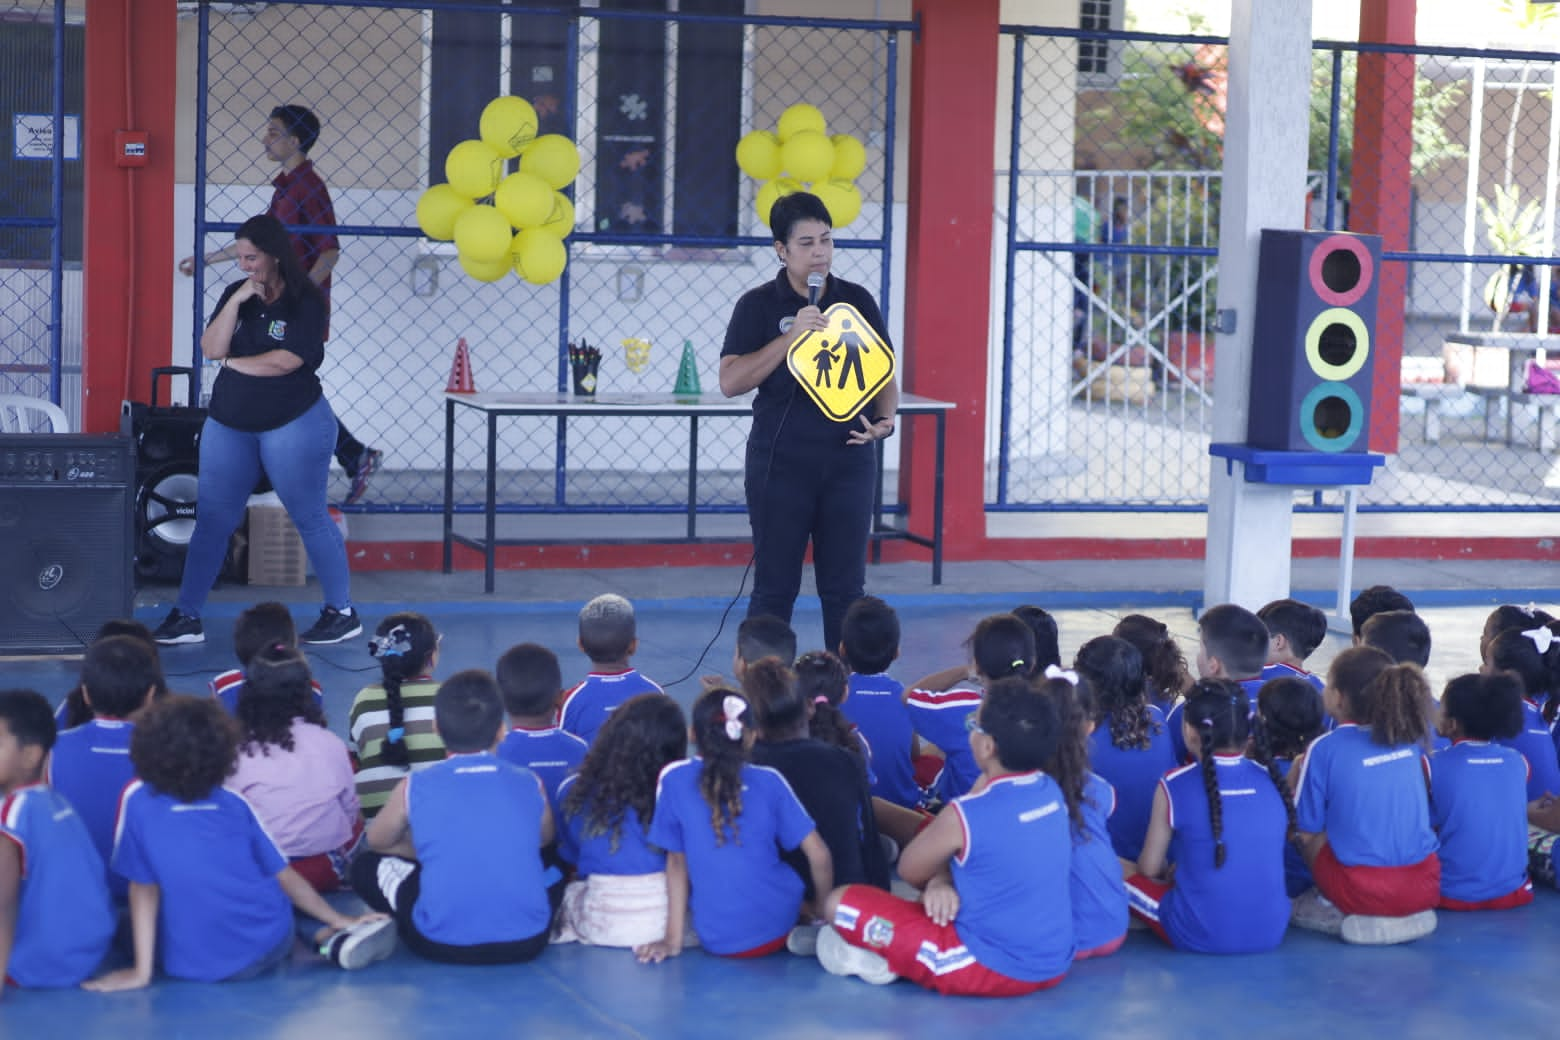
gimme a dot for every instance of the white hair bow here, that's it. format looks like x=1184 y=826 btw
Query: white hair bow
x=1055 y=672
x=1542 y=638
x=733 y=707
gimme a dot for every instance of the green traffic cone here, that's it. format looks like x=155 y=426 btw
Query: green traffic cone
x=688 y=372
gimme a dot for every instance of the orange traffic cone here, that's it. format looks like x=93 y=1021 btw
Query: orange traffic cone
x=460 y=371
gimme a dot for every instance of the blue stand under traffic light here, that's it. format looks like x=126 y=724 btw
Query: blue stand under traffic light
x=1312 y=469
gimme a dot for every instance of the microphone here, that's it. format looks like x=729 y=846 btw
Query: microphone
x=814 y=287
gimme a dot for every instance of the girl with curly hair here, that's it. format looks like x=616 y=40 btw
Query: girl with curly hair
x=618 y=896
x=723 y=823
x=295 y=773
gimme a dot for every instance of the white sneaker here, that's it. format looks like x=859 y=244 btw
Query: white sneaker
x=1312 y=911
x=839 y=957
x=1366 y=930
x=803 y=940
x=362 y=944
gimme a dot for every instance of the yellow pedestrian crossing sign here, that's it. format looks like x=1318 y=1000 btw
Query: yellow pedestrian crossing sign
x=843 y=366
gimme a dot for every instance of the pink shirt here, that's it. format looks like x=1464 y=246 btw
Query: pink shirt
x=306 y=798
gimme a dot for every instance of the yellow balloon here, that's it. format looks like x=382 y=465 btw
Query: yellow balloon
x=482 y=233
x=801 y=117
x=841 y=199
x=807 y=156
x=850 y=158
x=473 y=169
x=758 y=154
x=437 y=209
x=525 y=199
x=508 y=124
x=553 y=158
x=539 y=257
x=484 y=270
x=561 y=223
x=770 y=192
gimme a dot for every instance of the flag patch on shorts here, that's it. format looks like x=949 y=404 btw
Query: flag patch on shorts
x=941 y=962
x=846 y=917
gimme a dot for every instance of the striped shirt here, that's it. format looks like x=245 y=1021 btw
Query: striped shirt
x=369 y=721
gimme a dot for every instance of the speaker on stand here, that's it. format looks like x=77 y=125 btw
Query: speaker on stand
x=66 y=526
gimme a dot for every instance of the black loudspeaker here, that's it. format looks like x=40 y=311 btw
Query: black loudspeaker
x=66 y=527
x=167 y=467
x=1313 y=347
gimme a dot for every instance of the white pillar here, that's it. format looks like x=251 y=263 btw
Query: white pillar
x=1267 y=124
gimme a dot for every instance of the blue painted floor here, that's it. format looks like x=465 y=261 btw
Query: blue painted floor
x=1481 y=973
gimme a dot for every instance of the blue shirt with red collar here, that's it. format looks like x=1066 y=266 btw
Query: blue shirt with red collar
x=937 y=716
x=584 y=709
x=90 y=766
x=550 y=753
x=1478 y=806
x=876 y=705
x=1133 y=773
x=1370 y=799
x=1537 y=745
x=1099 y=897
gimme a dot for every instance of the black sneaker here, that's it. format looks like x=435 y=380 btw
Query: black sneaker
x=333 y=626
x=368 y=465
x=362 y=944
x=178 y=627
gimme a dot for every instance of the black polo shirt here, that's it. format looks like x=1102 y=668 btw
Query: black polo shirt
x=258 y=403
x=766 y=312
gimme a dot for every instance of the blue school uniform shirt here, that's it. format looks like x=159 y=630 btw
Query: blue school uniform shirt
x=222 y=908
x=1241 y=907
x=743 y=894
x=1370 y=799
x=1099 y=896
x=1133 y=773
x=938 y=718
x=1297 y=876
x=1478 y=806
x=593 y=853
x=550 y=753
x=876 y=707
x=1280 y=670
x=1251 y=686
x=1012 y=876
x=476 y=823
x=90 y=766
x=64 y=918
x=1537 y=746
x=227 y=687
x=585 y=708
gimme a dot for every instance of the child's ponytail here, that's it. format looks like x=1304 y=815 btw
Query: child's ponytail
x=1002 y=645
x=1400 y=706
x=1114 y=669
x=722 y=725
x=822 y=682
x=404 y=645
x=1069 y=766
x=1218 y=710
x=1268 y=735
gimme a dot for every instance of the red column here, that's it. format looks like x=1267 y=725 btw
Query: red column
x=1381 y=183
x=953 y=118
x=128 y=261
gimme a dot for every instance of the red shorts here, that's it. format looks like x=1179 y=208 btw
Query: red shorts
x=1103 y=949
x=926 y=769
x=1521 y=897
x=775 y=946
x=1378 y=891
x=1144 y=895
x=329 y=871
x=919 y=949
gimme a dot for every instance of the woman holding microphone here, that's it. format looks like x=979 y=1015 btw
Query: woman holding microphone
x=267 y=412
x=809 y=478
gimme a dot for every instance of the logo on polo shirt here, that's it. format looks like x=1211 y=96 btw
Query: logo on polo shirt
x=786 y=323
x=278 y=330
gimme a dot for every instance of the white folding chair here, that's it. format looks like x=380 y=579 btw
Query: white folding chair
x=20 y=414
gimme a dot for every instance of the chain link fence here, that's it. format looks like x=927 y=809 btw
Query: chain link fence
x=1110 y=208
x=41 y=56
x=667 y=235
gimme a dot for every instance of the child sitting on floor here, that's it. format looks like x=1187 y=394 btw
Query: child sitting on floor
x=259 y=627
x=618 y=896
x=1478 y=796
x=1223 y=822
x=1232 y=644
x=824 y=685
x=1000 y=646
x=1164 y=665
x=1363 y=813
x=209 y=889
x=56 y=919
x=530 y=680
x=391 y=722
x=1289 y=716
x=74 y=711
x=723 y=823
x=295 y=773
x=1129 y=747
x=1295 y=630
x=456 y=850
x=1099 y=899
x=609 y=638
x=90 y=764
x=1378 y=599
x=869 y=644
x=1401 y=633
x=1043 y=626
x=995 y=915
x=1533 y=656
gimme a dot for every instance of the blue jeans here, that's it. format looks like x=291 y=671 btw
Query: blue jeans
x=297 y=459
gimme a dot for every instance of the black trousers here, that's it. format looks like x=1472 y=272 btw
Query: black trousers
x=817 y=492
x=349 y=450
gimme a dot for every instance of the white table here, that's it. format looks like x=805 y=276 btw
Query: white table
x=563 y=407
x=1519 y=347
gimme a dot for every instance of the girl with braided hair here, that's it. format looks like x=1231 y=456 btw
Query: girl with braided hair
x=1222 y=821
x=723 y=823
x=1289 y=716
x=391 y=722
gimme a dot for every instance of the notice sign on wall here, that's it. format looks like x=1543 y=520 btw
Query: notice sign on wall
x=34 y=137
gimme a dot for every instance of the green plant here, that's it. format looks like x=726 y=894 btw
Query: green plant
x=1515 y=229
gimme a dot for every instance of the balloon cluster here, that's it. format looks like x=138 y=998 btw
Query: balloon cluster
x=799 y=155
x=523 y=227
